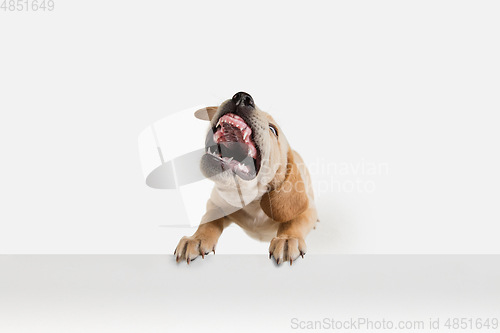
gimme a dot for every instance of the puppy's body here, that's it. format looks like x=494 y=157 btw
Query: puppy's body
x=258 y=225
x=268 y=192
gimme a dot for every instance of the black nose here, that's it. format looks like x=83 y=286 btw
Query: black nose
x=242 y=98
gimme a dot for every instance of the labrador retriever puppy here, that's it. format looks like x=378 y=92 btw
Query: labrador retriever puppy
x=261 y=184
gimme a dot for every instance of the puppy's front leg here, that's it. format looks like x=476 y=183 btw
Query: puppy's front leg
x=289 y=242
x=202 y=242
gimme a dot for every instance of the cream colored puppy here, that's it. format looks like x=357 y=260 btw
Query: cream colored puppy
x=261 y=184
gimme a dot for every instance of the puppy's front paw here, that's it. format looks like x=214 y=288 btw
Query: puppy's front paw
x=287 y=248
x=190 y=248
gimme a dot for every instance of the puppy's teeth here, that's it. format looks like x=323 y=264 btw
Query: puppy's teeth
x=209 y=150
x=218 y=123
x=229 y=160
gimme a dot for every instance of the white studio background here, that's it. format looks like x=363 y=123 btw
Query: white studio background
x=411 y=87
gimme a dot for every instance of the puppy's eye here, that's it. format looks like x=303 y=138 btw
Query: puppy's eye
x=273 y=129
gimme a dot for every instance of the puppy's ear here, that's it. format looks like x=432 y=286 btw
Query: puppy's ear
x=289 y=199
x=206 y=113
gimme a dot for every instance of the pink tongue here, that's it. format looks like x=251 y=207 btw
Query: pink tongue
x=234 y=120
x=234 y=129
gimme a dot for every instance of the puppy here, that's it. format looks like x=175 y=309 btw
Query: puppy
x=261 y=184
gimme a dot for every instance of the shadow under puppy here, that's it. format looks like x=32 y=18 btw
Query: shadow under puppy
x=261 y=184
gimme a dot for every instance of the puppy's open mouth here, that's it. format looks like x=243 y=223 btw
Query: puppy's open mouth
x=231 y=147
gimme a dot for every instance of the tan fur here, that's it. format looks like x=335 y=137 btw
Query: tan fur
x=290 y=198
x=281 y=206
x=206 y=113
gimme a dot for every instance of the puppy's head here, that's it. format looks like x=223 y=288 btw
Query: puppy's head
x=248 y=158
